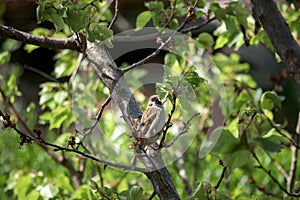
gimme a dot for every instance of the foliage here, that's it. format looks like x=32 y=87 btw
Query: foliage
x=254 y=136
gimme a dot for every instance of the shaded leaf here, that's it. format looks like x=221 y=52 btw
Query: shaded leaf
x=205 y=40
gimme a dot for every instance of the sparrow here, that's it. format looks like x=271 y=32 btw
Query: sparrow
x=152 y=121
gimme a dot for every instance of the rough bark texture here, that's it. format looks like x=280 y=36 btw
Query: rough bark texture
x=279 y=33
x=120 y=93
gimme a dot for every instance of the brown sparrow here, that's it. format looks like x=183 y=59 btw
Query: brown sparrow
x=152 y=122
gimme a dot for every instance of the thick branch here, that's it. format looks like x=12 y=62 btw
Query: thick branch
x=279 y=33
x=42 y=41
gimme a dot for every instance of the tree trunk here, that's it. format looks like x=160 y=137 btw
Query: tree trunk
x=267 y=13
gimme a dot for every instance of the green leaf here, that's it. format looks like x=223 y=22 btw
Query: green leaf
x=269 y=100
x=226 y=143
x=65 y=64
x=30 y=47
x=63 y=183
x=76 y=19
x=201 y=3
x=31 y=115
x=60 y=96
x=135 y=192
x=33 y=195
x=101 y=33
x=142 y=19
x=41 y=32
x=22 y=186
x=55 y=18
x=49 y=191
x=270 y=144
x=219 y=12
x=210 y=141
x=201 y=191
x=11 y=45
x=155 y=5
x=205 y=40
x=4 y=57
x=45 y=99
x=40 y=14
x=82 y=193
x=194 y=79
x=237 y=159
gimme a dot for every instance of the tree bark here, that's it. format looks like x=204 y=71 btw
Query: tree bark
x=278 y=31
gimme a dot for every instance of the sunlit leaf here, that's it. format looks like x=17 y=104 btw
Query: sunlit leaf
x=4 y=57
x=142 y=19
x=49 y=191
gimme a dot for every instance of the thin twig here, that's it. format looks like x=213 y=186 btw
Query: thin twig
x=293 y=142
x=269 y=120
x=115 y=15
x=195 y=4
x=88 y=4
x=62 y=161
x=273 y=178
x=279 y=167
x=173 y=14
x=294 y=157
x=97 y=119
x=183 y=130
x=192 y=28
x=168 y=123
x=163 y=44
x=79 y=59
x=262 y=188
x=222 y=175
x=43 y=74
x=8 y=124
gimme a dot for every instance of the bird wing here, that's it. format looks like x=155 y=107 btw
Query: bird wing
x=153 y=123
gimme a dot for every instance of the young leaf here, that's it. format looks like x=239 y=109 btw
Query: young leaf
x=142 y=19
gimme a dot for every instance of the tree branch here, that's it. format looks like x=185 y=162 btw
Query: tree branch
x=268 y=172
x=222 y=175
x=67 y=163
x=294 y=158
x=40 y=141
x=115 y=15
x=279 y=33
x=42 y=41
x=183 y=130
